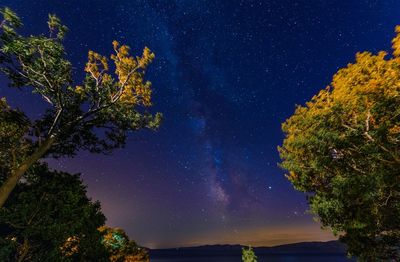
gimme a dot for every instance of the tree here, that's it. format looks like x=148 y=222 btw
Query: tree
x=248 y=255
x=95 y=115
x=13 y=126
x=343 y=149
x=48 y=217
x=120 y=248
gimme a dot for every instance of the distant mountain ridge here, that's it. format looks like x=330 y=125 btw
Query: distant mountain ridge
x=302 y=248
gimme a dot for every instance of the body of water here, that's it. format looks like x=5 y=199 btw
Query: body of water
x=266 y=258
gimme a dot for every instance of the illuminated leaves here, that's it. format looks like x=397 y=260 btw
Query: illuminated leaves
x=10 y=21
x=56 y=27
x=96 y=65
x=343 y=147
x=120 y=248
x=70 y=246
x=248 y=255
x=132 y=88
x=396 y=42
x=129 y=88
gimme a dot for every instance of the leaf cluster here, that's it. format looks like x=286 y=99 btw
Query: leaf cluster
x=248 y=255
x=120 y=248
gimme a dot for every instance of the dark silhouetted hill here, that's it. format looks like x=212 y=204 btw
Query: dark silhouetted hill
x=304 y=248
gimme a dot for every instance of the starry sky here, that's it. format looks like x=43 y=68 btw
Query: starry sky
x=227 y=74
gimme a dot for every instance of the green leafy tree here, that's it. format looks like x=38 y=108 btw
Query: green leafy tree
x=343 y=149
x=95 y=115
x=248 y=255
x=48 y=217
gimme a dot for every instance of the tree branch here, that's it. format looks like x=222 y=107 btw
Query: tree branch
x=55 y=121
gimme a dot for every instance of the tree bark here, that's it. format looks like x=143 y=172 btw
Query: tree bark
x=8 y=186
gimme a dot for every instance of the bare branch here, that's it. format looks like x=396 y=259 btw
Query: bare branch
x=56 y=119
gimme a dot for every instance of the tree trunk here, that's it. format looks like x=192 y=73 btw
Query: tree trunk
x=8 y=186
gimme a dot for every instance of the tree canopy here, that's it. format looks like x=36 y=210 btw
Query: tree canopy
x=343 y=148
x=120 y=248
x=95 y=114
x=13 y=127
x=248 y=255
x=49 y=218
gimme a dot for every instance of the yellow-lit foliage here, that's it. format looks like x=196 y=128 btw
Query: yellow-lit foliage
x=70 y=246
x=343 y=147
x=363 y=98
x=130 y=88
x=396 y=42
x=96 y=65
x=139 y=257
x=120 y=248
x=130 y=74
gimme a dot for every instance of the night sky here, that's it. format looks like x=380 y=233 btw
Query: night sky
x=226 y=75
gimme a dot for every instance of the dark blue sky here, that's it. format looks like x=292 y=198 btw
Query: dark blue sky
x=226 y=75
